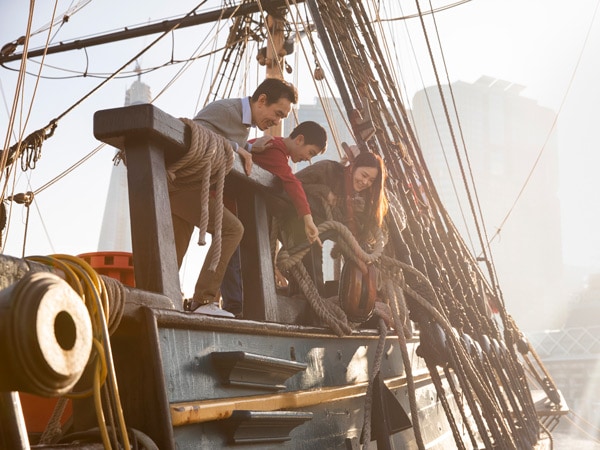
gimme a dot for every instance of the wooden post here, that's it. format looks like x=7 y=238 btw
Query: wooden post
x=148 y=136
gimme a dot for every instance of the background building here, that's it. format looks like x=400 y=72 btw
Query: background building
x=510 y=145
x=115 y=233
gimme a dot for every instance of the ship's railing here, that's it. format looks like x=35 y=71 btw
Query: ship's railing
x=571 y=343
x=151 y=139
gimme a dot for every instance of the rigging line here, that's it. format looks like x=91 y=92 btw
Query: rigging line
x=140 y=53
x=466 y=153
x=379 y=24
x=37 y=80
x=188 y=63
x=6 y=106
x=319 y=89
x=54 y=122
x=227 y=46
x=37 y=208
x=20 y=139
x=12 y=168
x=18 y=89
x=588 y=423
x=431 y=11
x=270 y=40
x=438 y=134
x=451 y=130
x=586 y=434
x=69 y=170
x=554 y=122
x=127 y=74
x=64 y=17
x=322 y=91
x=444 y=153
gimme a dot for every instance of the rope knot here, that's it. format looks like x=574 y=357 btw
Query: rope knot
x=207 y=161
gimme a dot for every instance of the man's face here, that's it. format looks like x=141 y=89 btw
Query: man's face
x=266 y=116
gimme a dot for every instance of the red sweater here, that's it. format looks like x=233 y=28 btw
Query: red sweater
x=275 y=159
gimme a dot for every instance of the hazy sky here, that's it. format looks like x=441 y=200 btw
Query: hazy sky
x=548 y=46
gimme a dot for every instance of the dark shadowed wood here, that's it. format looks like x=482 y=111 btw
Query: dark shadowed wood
x=148 y=136
x=260 y=296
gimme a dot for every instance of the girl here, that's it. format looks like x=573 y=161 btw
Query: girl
x=356 y=197
x=355 y=192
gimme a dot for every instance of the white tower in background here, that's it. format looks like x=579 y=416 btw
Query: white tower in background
x=115 y=234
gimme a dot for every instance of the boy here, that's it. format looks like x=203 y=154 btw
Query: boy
x=307 y=140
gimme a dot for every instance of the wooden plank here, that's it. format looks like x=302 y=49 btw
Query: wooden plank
x=185 y=413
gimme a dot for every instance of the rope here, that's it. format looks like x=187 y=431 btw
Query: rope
x=91 y=288
x=396 y=309
x=116 y=293
x=207 y=161
x=53 y=431
x=327 y=310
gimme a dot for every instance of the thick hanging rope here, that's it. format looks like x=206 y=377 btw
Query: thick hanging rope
x=207 y=161
x=328 y=310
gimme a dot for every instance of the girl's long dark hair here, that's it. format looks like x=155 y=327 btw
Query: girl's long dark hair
x=377 y=203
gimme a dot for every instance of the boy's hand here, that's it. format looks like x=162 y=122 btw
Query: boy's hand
x=311 y=230
x=262 y=143
x=331 y=198
x=246 y=159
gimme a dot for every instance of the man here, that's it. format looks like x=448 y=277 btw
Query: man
x=231 y=118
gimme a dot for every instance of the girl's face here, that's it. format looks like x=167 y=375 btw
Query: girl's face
x=363 y=178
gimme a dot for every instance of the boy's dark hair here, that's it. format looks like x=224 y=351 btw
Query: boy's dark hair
x=314 y=134
x=276 y=89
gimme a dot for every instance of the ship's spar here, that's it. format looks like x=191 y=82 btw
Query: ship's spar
x=448 y=296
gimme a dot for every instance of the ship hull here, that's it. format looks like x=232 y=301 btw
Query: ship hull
x=178 y=392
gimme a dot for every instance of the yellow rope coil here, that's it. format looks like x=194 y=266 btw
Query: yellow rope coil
x=90 y=286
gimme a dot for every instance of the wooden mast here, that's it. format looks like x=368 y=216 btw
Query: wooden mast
x=275 y=57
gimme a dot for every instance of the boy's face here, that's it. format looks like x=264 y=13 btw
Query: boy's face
x=301 y=151
x=266 y=116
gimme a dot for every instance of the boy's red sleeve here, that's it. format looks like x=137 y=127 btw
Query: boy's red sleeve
x=276 y=162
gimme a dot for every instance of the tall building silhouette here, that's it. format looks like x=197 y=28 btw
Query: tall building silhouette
x=115 y=233
x=504 y=134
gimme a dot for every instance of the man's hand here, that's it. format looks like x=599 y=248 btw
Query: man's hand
x=246 y=159
x=311 y=230
x=262 y=143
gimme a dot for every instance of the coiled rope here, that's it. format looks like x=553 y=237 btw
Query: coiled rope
x=207 y=161
x=105 y=317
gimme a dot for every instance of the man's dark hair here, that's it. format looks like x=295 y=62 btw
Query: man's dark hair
x=314 y=134
x=276 y=89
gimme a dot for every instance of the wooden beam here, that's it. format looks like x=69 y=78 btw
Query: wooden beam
x=148 y=136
